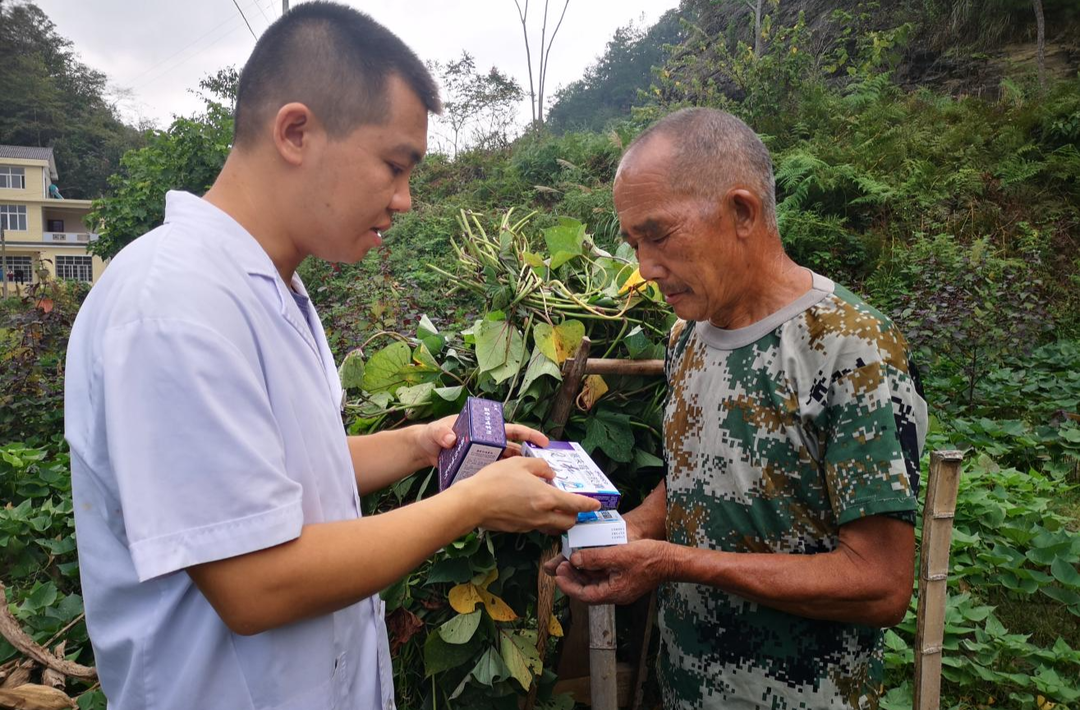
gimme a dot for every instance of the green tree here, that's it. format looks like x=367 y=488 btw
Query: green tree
x=477 y=108
x=611 y=86
x=50 y=98
x=188 y=156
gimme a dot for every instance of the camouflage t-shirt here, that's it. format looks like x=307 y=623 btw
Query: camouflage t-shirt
x=775 y=435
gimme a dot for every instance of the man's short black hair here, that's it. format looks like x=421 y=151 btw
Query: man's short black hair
x=334 y=60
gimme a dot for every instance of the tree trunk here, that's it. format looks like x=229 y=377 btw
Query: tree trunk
x=757 y=29
x=1040 y=23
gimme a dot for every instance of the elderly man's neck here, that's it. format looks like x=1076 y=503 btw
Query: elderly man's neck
x=771 y=282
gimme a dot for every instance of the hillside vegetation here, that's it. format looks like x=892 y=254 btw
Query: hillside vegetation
x=915 y=164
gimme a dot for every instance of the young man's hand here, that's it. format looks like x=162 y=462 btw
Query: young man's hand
x=438 y=435
x=514 y=495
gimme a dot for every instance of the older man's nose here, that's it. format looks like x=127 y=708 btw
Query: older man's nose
x=649 y=267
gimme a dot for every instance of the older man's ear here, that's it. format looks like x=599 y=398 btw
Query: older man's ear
x=745 y=210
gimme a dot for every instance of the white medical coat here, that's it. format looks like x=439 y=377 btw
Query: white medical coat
x=203 y=414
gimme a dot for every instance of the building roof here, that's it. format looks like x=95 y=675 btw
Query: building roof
x=29 y=152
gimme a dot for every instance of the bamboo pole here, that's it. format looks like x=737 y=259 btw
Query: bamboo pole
x=938 y=513
x=602 y=671
x=603 y=677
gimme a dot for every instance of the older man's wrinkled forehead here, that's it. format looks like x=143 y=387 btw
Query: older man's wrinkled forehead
x=654 y=157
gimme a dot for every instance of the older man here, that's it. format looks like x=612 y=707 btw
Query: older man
x=782 y=539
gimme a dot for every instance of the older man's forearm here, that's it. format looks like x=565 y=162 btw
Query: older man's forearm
x=866 y=580
x=647 y=521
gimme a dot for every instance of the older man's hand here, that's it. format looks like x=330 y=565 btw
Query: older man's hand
x=615 y=575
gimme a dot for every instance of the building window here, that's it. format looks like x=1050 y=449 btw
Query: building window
x=13 y=217
x=55 y=225
x=14 y=178
x=19 y=269
x=75 y=268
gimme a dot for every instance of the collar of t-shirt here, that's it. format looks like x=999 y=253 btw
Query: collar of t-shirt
x=724 y=339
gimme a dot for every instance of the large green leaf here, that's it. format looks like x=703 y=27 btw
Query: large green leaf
x=394 y=367
x=426 y=328
x=1065 y=573
x=456 y=570
x=518 y=650
x=441 y=656
x=490 y=669
x=643 y=459
x=500 y=349
x=42 y=596
x=611 y=433
x=383 y=372
x=417 y=395
x=539 y=365
x=1066 y=596
x=351 y=371
x=564 y=241
x=461 y=628
x=450 y=394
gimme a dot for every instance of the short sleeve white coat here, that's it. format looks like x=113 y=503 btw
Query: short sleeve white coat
x=203 y=413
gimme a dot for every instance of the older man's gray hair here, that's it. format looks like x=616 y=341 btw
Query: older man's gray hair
x=713 y=152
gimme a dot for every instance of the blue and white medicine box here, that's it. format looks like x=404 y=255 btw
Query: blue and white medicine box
x=597 y=529
x=575 y=471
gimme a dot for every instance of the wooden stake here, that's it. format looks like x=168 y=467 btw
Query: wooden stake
x=573 y=371
x=938 y=514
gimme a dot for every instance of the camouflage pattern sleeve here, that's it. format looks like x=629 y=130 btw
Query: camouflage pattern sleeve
x=873 y=419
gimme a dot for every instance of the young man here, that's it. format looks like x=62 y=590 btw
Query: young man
x=224 y=560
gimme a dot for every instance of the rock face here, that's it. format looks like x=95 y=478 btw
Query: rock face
x=960 y=48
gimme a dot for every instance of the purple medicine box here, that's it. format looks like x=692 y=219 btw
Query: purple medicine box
x=575 y=471
x=481 y=439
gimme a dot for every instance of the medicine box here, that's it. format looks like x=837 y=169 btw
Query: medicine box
x=575 y=471
x=597 y=529
x=481 y=439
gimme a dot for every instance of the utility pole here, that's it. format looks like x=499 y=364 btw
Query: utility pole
x=3 y=259
x=284 y=6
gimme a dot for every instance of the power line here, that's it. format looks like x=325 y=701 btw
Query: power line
x=262 y=12
x=188 y=58
x=245 y=20
x=200 y=38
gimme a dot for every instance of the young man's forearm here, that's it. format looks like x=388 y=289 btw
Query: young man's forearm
x=384 y=458
x=332 y=565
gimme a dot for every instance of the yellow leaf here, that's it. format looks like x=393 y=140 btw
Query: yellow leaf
x=554 y=628
x=634 y=282
x=465 y=597
x=496 y=607
x=594 y=389
x=488 y=578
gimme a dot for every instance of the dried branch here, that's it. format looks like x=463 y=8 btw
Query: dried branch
x=22 y=642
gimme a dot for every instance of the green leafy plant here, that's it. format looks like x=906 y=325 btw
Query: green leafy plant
x=542 y=293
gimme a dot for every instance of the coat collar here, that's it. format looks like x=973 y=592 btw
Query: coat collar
x=248 y=254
